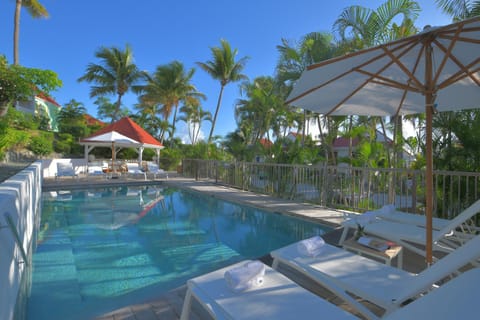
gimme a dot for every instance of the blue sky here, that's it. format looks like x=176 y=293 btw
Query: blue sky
x=161 y=31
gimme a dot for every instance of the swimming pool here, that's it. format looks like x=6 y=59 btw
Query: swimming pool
x=99 y=250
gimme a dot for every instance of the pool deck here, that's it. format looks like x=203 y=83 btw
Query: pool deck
x=168 y=306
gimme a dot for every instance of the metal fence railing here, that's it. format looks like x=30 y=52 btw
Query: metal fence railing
x=357 y=189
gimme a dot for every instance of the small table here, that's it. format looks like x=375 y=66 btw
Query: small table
x=386 y=256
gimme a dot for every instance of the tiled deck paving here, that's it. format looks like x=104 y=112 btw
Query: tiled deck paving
x=168 y=306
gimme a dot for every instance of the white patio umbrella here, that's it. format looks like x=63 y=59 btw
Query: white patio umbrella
x=435 y=70
x=113 y=139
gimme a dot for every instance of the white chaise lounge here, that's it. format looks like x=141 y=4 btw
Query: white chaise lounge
x=278 y=298
x=133 y=169
x=281 y=299
x=413 y=236
x=382 y=285
x=65 y=169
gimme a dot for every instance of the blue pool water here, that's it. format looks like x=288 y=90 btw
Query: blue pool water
x=99 y=250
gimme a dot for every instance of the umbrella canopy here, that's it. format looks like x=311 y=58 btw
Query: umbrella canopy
x=435 y=70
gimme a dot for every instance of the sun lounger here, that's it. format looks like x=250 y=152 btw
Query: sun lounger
x=65 y=170
x=389 y=213
x=280 y=298
x=277 y=298
x=447 y=238
x=153 y=169
x=382 y=285
x=133 y=169
x=456 y=299
x=96 y=171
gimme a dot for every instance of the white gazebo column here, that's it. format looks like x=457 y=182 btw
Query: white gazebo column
x=140 y=154
x=86 y=151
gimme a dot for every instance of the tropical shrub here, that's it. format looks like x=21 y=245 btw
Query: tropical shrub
x=42 y=144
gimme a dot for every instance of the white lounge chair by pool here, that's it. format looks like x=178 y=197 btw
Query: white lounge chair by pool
x=65 y=169
x=450 y=236
x=382 y=285
x=96 y=171
x=280 y=298
x=153 y=169
x=134 y=170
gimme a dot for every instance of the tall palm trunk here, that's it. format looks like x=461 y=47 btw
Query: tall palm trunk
x=174 y=121
x=16 y=31
x=117 y=108
x=216 y=113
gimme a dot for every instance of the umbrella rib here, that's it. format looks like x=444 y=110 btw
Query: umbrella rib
x=372 y=76
x=389 y=82
x=463 y=73
x=462 y=39
x=395 y=59
x=447 y=53
x=410 y=45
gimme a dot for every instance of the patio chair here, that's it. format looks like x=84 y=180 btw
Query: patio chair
x=450 y=236
x=455 y=299
x=389 y=213
x=278 y=298
x=65 y=169
x=281 y=298
x=345 y=273
x=96 y=171
x=133 y=169
x=153 y=168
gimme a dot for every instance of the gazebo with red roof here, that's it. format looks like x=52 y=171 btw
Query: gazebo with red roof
x=126 y=127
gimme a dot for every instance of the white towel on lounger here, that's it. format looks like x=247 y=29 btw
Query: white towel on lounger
x=311 y=247
x=246 y=276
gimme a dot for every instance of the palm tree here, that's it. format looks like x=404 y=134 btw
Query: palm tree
x=459 y=9
x=116 y=74
x=193 y=116
x=71 y=118
x=169 y=86
x=36 y=10
x=294 y=59
x=225 y=69
x=369 y=27
x=108 y=110
x=260 y=111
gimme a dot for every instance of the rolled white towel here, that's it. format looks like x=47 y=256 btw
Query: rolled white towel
x=246 y=276
x=311 y=247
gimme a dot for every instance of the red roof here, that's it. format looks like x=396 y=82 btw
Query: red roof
x=43 y=96
x=265 y=142
x=129 y=128
x=91 y=121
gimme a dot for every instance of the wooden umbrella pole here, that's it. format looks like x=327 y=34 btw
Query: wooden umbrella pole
x=429 y=100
